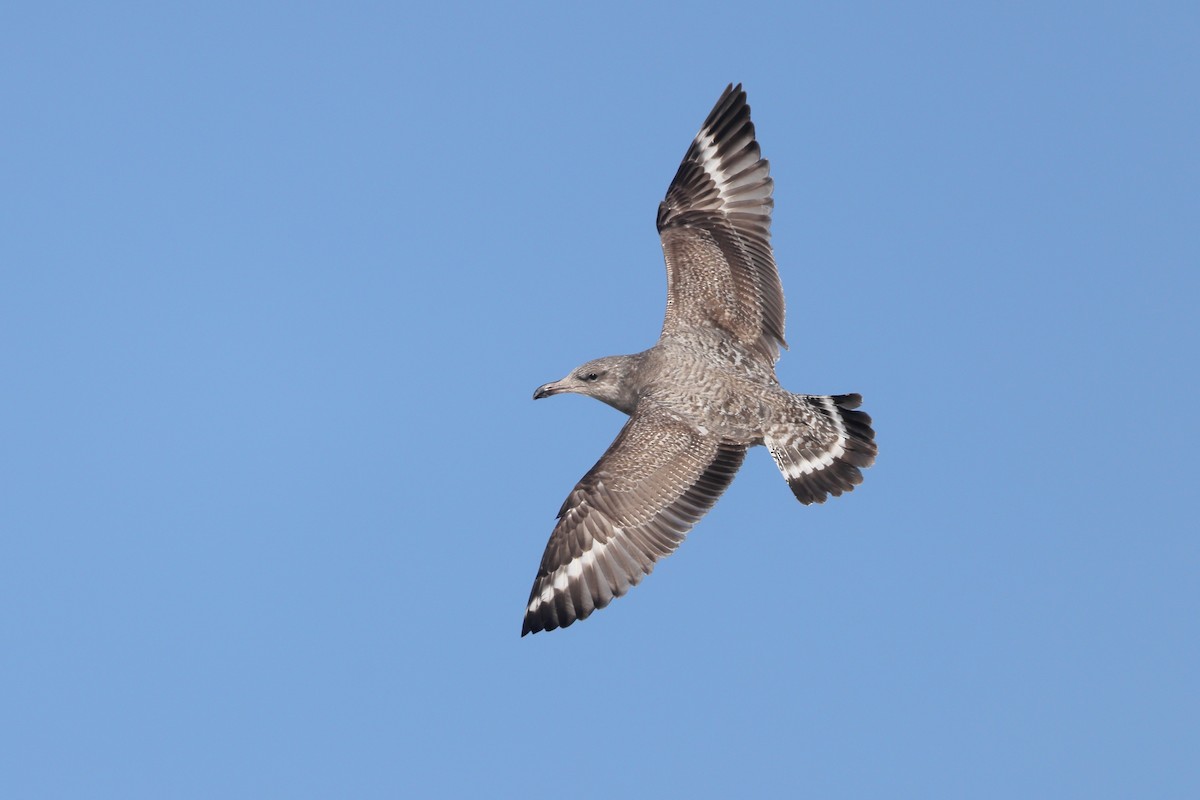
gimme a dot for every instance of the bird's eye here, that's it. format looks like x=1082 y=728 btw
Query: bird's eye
x=591 y=376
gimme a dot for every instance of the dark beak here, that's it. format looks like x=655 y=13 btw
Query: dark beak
x=546 y=390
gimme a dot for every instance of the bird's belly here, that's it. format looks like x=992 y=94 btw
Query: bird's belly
x=718 y=400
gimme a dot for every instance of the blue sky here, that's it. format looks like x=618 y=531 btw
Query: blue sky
x=277 y=283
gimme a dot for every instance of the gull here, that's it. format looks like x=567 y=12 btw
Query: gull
x=703 y=395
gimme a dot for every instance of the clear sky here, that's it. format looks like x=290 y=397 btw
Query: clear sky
x=277 y=282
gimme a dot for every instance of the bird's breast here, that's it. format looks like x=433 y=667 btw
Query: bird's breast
x=714 y=395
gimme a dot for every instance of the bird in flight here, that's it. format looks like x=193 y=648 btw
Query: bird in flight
x=699 y=398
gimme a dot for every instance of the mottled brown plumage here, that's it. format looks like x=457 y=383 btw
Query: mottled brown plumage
x=700 y=397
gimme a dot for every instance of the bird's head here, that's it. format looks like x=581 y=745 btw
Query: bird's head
x=611 y=380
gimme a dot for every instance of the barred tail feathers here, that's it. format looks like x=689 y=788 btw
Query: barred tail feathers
x=820 y=445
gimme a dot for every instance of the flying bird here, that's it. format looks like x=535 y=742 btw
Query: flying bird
x=699 y=398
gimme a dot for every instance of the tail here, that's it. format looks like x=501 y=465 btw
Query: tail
x=820 y=443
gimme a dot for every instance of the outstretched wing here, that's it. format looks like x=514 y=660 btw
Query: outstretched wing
x=715 y=225
x=657 y=479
